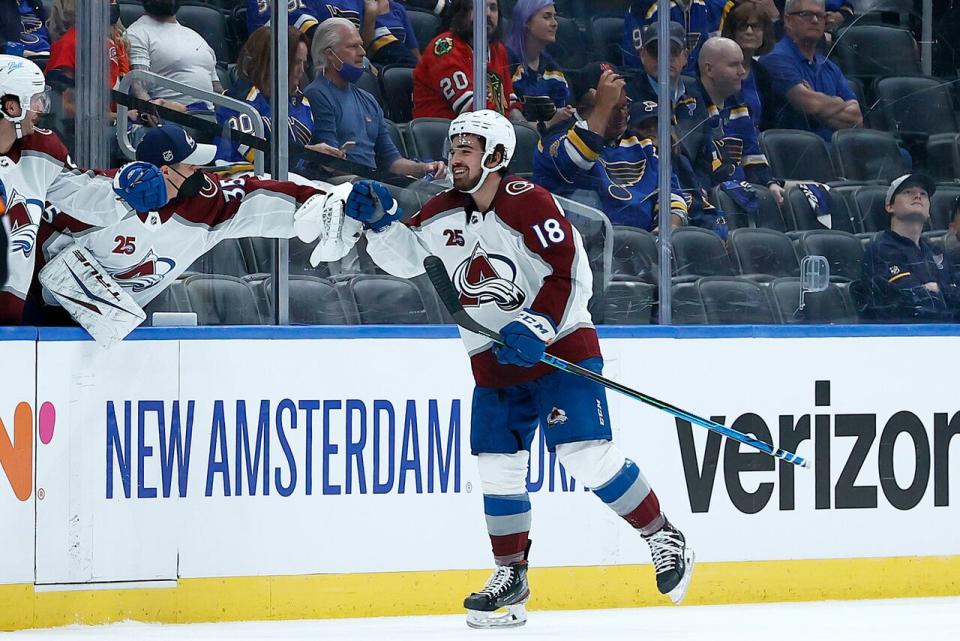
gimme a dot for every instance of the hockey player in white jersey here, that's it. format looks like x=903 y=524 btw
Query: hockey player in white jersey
x=146 y=251
x=36 y=168
x=521 y=269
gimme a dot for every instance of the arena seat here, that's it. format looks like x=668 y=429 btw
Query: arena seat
x=222 y=300
x=699 y=252
x=425 y=25
x=804 y=217
x=569 y=50
x=870 y=51
x=226 y=257
x=212 y=25
x=629 y=302
x=396 y=87
x=686 y=304
x=941 y=205
x=870 y=201
x=868 y=155
x=843 y=251
x=427 y=138
x=313 y=301
x=369 y=83
x=635 y=254
x=763 y=252
x=172 y=299
x=769 y=215
x=916 y=107
x=735 y=301
x=798 y=155
x=383 y=299
x=130 y=12
x=606 y=33
x=527 y=141
x=396 y=135
x=827 y=307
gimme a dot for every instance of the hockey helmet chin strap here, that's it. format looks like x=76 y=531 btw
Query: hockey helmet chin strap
x=38 y=103
x=484 y=170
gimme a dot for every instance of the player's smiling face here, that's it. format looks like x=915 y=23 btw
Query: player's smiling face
x=466 y=153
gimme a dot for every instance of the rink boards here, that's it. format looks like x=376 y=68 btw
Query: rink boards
x=263 y=473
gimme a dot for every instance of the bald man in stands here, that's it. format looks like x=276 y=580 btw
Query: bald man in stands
x=734 y=149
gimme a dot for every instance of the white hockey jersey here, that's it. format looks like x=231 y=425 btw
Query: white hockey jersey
x=146 y=252
x=523 y=253
x=37 y=170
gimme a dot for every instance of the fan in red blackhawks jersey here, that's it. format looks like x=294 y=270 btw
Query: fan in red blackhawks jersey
x=521 y=269
x=36 y=168
x=146 y=251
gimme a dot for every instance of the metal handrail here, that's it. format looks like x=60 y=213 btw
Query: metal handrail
x=220 y=100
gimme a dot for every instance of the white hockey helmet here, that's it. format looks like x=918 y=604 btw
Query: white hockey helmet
x=494 y=129
x=22 y=78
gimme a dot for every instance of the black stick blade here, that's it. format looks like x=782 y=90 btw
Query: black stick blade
x=448 y=294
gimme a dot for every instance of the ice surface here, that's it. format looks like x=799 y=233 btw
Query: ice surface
x=933 y=619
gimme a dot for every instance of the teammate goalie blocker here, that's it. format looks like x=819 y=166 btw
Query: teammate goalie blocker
x=519 y=268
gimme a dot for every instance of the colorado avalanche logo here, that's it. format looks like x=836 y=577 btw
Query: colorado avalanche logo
x=480 y=280
x=146 y=274
x=23 y=231
x=556 y=416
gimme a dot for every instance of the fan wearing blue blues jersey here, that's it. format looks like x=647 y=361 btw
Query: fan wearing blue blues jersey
x=599 y=155
x=23 y=31
x=535 y=72
x=305 y=15
x=253 y=88
x=734 y=151
x=699 y=18
x=394 y=41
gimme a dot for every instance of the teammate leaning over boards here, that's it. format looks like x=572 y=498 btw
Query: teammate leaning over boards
x=521 y=269
x=145 y=252
x=35 y=168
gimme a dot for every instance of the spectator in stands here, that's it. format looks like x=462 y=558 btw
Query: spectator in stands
x=951 y=240
x=750 y=25
x=597 y=155
x=161 y=45
x=63 y=53
x=535 y=72
x=734 y=152
x=904 y=279
x=689 y=107
x=699 y=18
x=838 y=11
x=809 y=91
x=443 y=79
x=347 y=118
x=305 y=15
x=254 y=73
x=23 y=31
x=394 y=40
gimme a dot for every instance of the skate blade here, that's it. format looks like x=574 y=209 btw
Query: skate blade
x=676 y=594
x=513 y=616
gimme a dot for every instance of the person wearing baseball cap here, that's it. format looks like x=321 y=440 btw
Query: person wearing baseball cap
x=179 y=157
x=904 y=278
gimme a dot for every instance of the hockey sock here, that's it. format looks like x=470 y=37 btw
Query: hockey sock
x=508 y=523
x=629 y=495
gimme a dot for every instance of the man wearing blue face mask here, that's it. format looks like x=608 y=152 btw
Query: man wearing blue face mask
x=344 y=114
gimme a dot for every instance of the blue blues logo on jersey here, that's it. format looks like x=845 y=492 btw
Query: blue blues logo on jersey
x=480 y=281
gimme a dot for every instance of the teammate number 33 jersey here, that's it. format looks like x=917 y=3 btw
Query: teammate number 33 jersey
x=523 y=253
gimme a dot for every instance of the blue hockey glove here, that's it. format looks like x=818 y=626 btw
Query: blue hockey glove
x=141 y=185
x=371 y=203
x=525 y=339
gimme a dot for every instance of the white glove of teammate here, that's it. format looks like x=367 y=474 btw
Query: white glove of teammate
x=321 y=219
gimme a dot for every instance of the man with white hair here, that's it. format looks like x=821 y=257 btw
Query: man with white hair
x=810 y=92
x=347 y=118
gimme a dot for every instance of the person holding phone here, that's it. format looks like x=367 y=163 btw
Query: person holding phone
x=347 y=118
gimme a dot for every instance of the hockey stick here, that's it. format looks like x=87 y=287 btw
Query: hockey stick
x=450 y=298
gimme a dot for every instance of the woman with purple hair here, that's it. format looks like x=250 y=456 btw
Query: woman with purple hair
x=535 y=72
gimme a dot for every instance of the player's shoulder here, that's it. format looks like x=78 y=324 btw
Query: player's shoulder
x=519 y=200
x=46 y=142
x=445 y=201
x=447 y=45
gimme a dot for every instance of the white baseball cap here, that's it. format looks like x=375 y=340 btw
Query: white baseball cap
x=908 y=180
